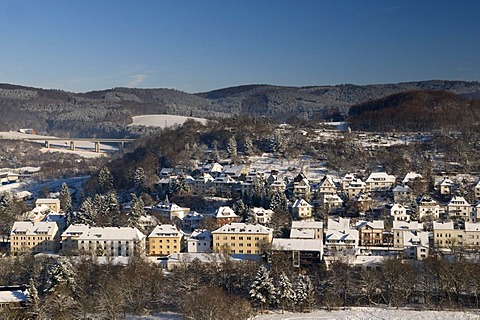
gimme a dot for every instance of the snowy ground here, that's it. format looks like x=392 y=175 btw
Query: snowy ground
x=374 y=313
x=350 y=314
x=162 y=120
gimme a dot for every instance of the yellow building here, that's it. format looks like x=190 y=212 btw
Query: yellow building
x=164 y=240
x=447 y=235
x=241 y=238
x=34 y=237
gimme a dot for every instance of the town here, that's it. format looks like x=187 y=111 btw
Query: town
x=292 y=220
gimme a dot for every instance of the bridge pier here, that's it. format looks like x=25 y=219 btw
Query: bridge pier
x=47 y=144
x=97 y=146
x=72 y=145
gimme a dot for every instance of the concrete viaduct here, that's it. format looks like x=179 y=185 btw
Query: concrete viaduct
x=72 y=141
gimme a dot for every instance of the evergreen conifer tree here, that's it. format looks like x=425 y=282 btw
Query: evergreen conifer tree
x=262 y=290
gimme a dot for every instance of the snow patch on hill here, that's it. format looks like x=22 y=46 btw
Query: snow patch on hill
x=162 y=120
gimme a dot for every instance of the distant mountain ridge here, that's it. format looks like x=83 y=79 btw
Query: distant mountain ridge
x=108 y=112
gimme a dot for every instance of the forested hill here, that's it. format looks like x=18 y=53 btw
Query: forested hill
x=107 y=112
x=417 y=111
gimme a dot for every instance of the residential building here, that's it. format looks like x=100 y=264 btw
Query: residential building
x=380 y=181
x=316 y=228
x=241 y=238
x=402 y=194
x=34 y=237
x=214 y=169
x=411 y=237
x=70 y=236
x=192 y=220
x=346 y=180
x=165 y=239
x=301 y=186
x=370 y=232
x=327 y=185
x=340 y=238
x=302 y=252
x=224 y=215
x=224 y=185
x=302 y=209
x=410 y=176
x=331 y=202
x=428 y=207
x=445 y=186
x=448 y=235
x=476 y=190
x=170 y=211
x=398 y=212
x=53 y=204
x=109 y=241
x=261 y=215
x=355 y=187
x=459 y=208
x=202 y=184
x=200 y=241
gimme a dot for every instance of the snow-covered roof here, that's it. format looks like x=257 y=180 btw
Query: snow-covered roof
x=34 y=228
x=470 y=226
x=302 y=234
x=280 y=244
x=75 y=230
x=338 y=224
x=307 y=224
x=400 y=188
x=13 y=296
x=200 y=235
x=443 y=225
x=338 y=235
x=111 y=234
x=404 y=225
x=411 y=176
x=301 y=203
x=239 y=227
x=165 y=230
x=47 y=201
x=375 y=224
x=380 y=176
x=225 y=212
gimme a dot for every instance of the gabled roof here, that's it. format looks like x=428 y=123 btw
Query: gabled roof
x=225 y=212
x=301 y=203
x=327 y=181
x=411 y=176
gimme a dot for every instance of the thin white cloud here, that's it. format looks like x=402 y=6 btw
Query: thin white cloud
x=136 y=80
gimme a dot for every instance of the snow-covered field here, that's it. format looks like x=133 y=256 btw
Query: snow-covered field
x=350 y=314
x=374 y=313
x=162 y=120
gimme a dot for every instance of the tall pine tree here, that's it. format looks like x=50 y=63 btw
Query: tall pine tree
x=262 y=290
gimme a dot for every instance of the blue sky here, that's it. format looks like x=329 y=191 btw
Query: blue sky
x=201 y=45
